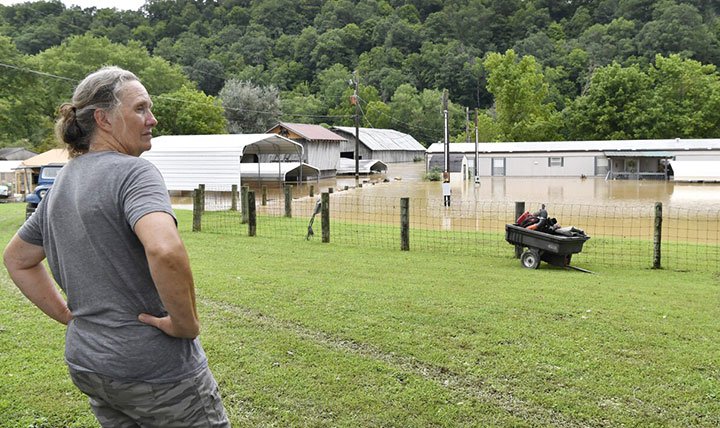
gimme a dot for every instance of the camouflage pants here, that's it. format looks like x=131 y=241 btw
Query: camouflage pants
x=193 y=402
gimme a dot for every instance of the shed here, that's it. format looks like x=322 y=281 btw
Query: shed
x=387 y=145
x=320 y=145
x=215 y=160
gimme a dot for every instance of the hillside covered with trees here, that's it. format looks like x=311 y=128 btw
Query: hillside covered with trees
x=535 y=69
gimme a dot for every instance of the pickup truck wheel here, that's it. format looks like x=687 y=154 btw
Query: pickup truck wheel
x=530 y=259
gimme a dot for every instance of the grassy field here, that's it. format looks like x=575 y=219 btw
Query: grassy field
x=305 y=334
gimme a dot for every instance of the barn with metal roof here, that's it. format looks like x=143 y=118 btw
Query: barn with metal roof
x=321 y=146
x=387 y=145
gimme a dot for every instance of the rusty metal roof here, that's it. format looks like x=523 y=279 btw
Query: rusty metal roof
x=311 y=132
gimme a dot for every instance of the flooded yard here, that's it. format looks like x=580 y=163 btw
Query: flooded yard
x=406 y=180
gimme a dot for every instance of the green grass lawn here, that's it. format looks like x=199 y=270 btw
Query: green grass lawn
x=305 y=334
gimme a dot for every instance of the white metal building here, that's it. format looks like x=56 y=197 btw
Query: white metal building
x=620 y=159
x=219 y=161
x=387 y=145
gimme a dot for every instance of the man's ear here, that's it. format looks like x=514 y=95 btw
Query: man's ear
x=102 y=119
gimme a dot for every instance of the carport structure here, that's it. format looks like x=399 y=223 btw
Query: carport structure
x=219 y=161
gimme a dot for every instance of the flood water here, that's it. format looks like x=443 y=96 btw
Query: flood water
x=621 y=207
x=406 y=180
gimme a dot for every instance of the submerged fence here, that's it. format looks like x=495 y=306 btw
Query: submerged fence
x=637 y=236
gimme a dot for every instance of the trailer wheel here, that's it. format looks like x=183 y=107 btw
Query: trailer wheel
x=530 y=259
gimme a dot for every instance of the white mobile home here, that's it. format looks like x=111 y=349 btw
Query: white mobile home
x=626 y=159
x=219 y=161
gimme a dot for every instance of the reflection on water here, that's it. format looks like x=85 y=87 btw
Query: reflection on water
x=406 y=180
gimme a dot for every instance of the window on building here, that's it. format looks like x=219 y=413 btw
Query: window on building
x=556 y=161
x=498 y=167
x=602 y=165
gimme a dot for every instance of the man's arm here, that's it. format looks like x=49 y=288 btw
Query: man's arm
x=170 y=270
x=24 y=264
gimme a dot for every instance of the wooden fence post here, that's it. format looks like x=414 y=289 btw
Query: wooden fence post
x=519 y=210
x=657 y=236
x=233 y=197
x=264 y=195
x=312 y=190
x=201 y=187
x=197 y=213
x=252 y=214
x=325 y=216
x=404 y=224
x=243 y=204
x=288 y=201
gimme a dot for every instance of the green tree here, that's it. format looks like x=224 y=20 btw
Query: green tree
x=332 y=84
x=337 y=46
x=188 y=111
x=606 y=43
x=678 y=29
x=208 y=74
x=22 y=122
x=615 y=106
x=522 y=110
x=685 y=99
x=380 y=67
x=420 y=114
x=69 y=63
x=301 y=104
x=249 y=108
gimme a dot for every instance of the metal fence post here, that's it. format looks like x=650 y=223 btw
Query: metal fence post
x=252 y=214
x=325 y=216
x=519 y=210
x=404 y=224
x=288 y=201
x=657 y=236
x=197 y=213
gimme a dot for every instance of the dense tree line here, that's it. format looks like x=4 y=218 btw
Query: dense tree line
x=534 y=69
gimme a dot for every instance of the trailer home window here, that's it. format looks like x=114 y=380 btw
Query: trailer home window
x=498 y=167
x=556 y=161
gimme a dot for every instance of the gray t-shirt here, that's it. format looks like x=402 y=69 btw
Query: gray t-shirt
x=85 y=225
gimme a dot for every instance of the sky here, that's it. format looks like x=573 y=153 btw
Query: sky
x=117 y=4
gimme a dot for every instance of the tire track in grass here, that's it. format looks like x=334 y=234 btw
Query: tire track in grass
x=454 y=382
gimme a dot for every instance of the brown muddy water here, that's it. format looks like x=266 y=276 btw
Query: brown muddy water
x=406 y=180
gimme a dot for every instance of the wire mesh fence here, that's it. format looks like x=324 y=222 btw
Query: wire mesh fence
x=620 y=235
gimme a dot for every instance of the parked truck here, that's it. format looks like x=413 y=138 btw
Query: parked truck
x=45 y=182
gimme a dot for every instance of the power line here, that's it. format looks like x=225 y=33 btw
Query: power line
x=41 y=73
x=164 y=96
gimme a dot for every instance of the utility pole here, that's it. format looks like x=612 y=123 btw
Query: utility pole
x=356 y=101
x=467 y=124
x=446 y=133
x=477 y=151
